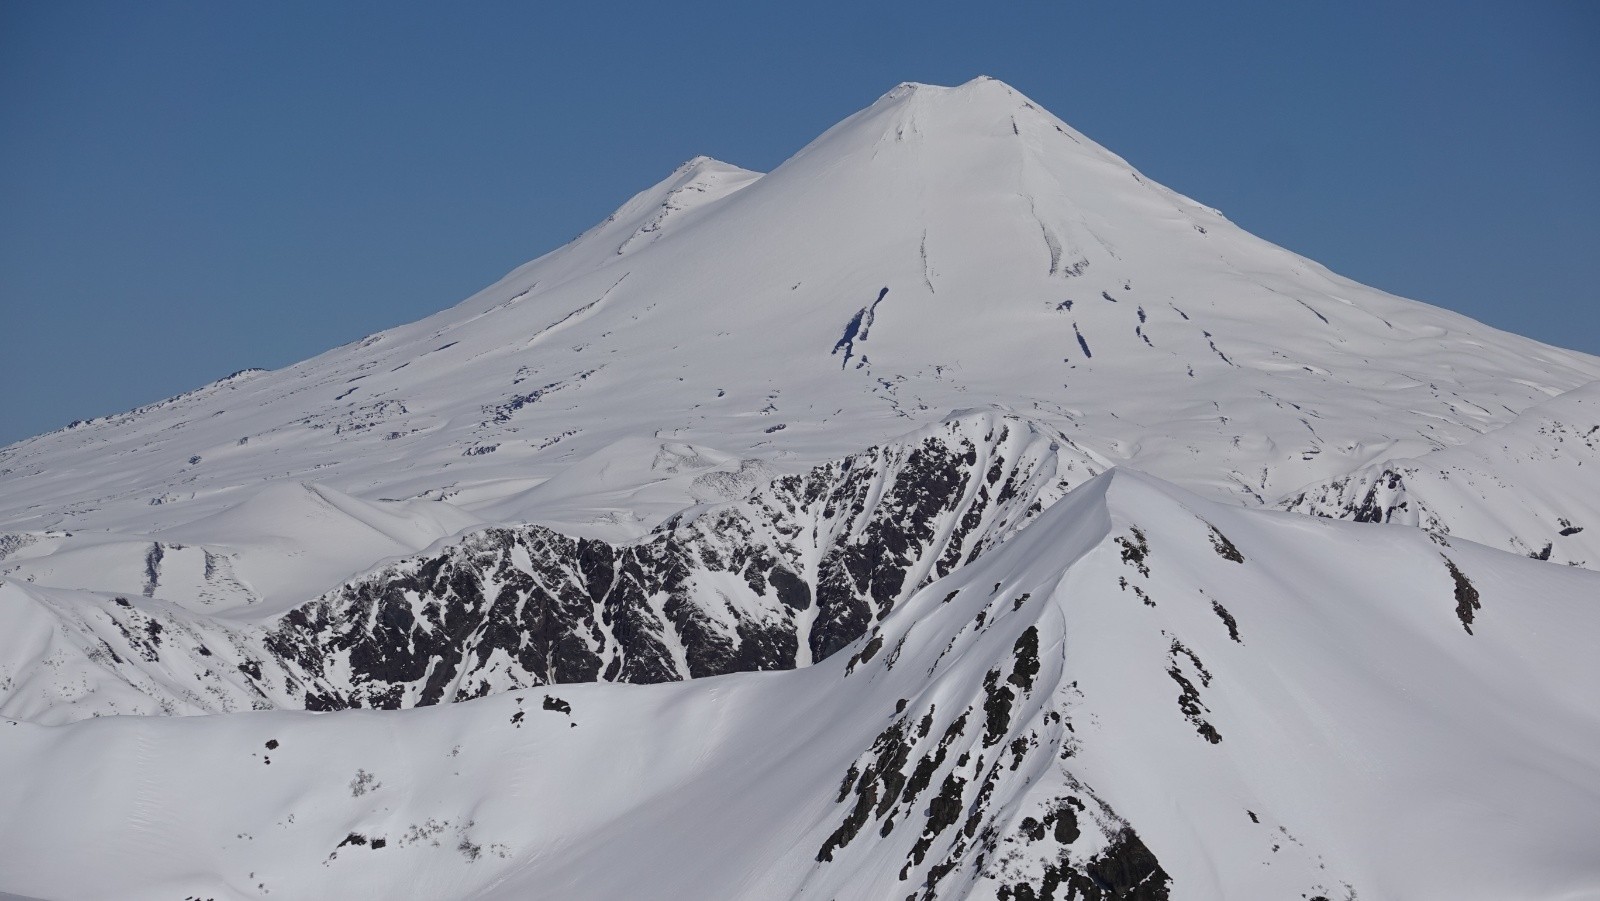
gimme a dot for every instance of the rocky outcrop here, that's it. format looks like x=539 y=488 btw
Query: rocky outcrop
x=787 y=576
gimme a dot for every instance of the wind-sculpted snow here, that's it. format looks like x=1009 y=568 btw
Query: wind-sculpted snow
x=1010 y=731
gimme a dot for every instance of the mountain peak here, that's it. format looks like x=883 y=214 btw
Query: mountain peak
x=703 y=165
x=982 y=85
x=994 y=121
x=982 y=96
x=943 y=248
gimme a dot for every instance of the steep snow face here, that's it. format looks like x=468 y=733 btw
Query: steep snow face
x=1144 y=694
x=944 y=248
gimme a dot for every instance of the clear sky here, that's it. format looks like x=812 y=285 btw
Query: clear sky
x=188 y=189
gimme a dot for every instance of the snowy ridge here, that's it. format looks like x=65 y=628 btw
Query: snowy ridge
x=789 y=574
x=695 y=184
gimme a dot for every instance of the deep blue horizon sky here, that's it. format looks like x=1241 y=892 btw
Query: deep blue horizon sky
x=189 y=189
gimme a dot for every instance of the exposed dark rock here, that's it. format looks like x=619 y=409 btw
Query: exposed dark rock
x=884 y=771
x=943 y=812
x=152 y=568
x=996 y=708
x=871 y=648
x=1124 y=870
x=1140 y=593
x=858 y=329
x=791 y=589
x=510 y=608
x=1127 y=870
x=1135 y=549
x=1227 y=620
x=1189 y=696
x=1026 y=654
x=1225 y=548
x=849 y=782
x=1066 y=822
x=1467 y=603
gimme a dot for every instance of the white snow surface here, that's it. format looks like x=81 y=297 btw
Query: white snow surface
x=1025 y=267
x=1401 y=709
x=1522 y=487
x=1369 y=743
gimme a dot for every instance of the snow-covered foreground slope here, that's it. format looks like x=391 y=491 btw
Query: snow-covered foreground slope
x=1142 y=695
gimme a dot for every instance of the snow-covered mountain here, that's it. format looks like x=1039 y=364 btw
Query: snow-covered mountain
x=1142 y=695
x=945 y=248
x=998 y=450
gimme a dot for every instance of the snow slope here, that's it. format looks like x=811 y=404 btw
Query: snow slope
x=1521 y=487
x=1142 y=689
x=275 y=548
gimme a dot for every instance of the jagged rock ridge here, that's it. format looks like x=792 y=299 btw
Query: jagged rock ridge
x=788 y=575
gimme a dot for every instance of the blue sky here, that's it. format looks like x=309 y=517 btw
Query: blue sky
x=188 y=189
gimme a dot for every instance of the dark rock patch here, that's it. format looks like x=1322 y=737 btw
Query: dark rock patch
x=996 y=708
x=1135 y=550
x=1189 y=702
x=1224 y=548
x=1227 y=620
x=1467 y=602
x=1026 y=656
